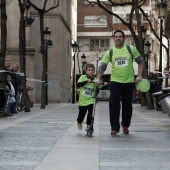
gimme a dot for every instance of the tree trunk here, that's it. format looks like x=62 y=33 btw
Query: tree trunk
x=22 y=56
x=3 y=41
x=145 y=99
x=43 y=89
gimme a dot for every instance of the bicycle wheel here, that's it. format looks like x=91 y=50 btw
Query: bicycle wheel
x=20 y=103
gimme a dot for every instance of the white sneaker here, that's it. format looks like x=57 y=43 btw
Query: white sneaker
x=87 y=128
x=79 y=126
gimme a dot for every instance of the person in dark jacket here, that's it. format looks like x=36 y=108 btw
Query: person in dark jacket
x=15 y=82
x=7 y=66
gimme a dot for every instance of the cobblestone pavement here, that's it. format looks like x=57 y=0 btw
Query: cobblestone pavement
x=48 y=139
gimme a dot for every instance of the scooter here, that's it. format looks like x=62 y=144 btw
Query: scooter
x=90 y=129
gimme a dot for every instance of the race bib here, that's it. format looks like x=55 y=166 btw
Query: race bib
x=88 y=92
x=121 y=61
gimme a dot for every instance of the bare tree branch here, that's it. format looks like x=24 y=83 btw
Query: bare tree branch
x=43 y=9
x=151 y=27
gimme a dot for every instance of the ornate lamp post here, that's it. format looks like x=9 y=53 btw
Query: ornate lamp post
x=147 y=52
x=27 y=21
x=84 y=63
x=161 y=15
x=47 y=33
x=74 y=46
x=143 y=30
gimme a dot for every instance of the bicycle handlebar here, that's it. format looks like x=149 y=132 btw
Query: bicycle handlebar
x=99 y=84
x=27 y=88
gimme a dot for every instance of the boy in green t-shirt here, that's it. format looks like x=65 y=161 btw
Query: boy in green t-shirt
x=87 y=93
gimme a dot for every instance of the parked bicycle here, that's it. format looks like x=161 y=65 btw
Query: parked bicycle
x=3 y=102
x=20 y=101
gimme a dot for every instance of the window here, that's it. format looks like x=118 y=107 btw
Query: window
x=134 y=17
x=99 y=44
x=126 y=17
x=95 y=21
x=116 y=20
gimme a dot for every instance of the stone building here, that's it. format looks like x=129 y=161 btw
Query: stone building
x=95 y=28
x=62 y=22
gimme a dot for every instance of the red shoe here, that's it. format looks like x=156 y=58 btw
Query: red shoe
x=125 y=130
x=114 y=132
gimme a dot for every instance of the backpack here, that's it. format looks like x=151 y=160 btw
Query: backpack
x=128 y=48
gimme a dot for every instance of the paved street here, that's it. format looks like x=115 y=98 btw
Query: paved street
x=49 y=140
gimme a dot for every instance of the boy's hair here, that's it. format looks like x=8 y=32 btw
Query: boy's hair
x=90 y=65
x=120 y=32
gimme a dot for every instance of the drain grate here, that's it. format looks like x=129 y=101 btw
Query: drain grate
x=149 y=131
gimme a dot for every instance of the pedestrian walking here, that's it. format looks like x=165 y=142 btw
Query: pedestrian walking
x=122 y=80
x=87 y=90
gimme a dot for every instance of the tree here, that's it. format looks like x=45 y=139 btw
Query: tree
x=46 y=5
x=3 y=40
x=22 y=52
x=136 y=9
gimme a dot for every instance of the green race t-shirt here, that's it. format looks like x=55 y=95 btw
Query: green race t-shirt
x=122 y=64
x=87 y=92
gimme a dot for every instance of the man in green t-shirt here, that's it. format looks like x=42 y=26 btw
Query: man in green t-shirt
x=122 y=81
x=87 y=93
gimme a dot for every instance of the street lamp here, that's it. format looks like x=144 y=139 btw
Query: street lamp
x=27 y=18
x=147 y=47
x=161 y=15
x=147 y=52
x=27 y=21
x=74 y=46
x=97 y=61
x=143 y=30
x=84 y=63
x=47 y=33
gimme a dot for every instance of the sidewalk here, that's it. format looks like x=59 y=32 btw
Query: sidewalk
x=49 y=140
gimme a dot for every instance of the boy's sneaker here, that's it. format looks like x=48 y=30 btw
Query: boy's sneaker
x=87 y=128
x=79 y=126
x=114 y=132
x=125 y=130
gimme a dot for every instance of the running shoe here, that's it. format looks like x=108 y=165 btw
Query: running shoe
x=79 y=126
x=114 y=132
x=125 y=130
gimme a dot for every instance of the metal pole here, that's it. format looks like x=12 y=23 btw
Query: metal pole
x=78 y=61
x=147 y=56
x=160 y=55
x=73 y=87
x=46 y=81
x=24 y=49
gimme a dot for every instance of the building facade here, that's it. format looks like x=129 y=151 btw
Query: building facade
x=93 y=30
x=62 y=21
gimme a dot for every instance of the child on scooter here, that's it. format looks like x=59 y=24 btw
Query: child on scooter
x=87 y=90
